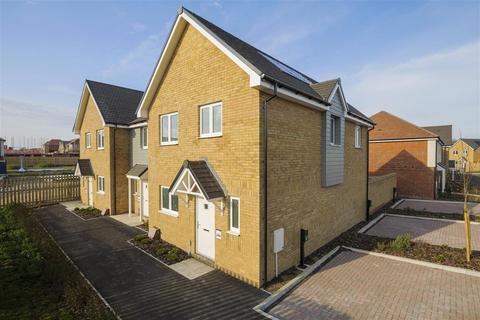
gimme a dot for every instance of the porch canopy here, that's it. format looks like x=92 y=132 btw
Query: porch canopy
x=198 y=179
x=84 y=168
x=138 y=171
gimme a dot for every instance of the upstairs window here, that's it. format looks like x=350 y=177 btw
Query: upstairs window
x=335 y=130
x=169 y=129
x=169 y=201
x=144 y=137
x=465 y=152
x=234 y=215
x=88 y=140
x=100 y=139
x=211 y=120
x=358 y=137
x=455 y=152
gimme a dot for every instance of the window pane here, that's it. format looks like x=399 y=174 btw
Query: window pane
x=164 y=129
x=175 y=202
x=205 y=121
x=332 y=129
x=234 y=213
x=144 y=136
x=217 y=119
x=165 y=199
x=174 y=127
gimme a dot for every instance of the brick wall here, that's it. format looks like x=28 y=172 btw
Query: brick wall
x=122 y=165
x=100 y=159
x=296 y=196
x=408 y=159
x=200 y=74
x=380 y=190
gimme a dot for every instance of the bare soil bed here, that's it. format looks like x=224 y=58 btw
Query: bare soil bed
x=88 y=213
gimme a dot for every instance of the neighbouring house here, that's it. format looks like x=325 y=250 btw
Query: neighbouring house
x=413 y=153
x=3 y=162
x=72 y=147
x=246 y=155
x=53 y=146
x=107 y=124
x=466 y=150
x=445 y=134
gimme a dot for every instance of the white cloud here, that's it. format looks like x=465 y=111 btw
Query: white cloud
x=440 y=88
x=137 y=27
x=19 y=118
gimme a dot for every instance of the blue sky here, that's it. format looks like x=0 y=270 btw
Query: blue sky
x=418 y=60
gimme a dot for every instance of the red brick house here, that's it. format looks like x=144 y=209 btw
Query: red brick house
x=413 y=153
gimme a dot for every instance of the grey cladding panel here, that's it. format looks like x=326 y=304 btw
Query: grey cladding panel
x=334 y=155
x=138 y=155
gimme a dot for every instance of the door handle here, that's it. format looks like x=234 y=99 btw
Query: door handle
x=206 y=230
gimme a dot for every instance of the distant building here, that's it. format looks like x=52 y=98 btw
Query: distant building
x=72 y=147
x=445 y=134
x=53 y=146
x=466 y=150
x=3 y=162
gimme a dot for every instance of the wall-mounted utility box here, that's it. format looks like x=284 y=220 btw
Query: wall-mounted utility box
x=278 y=240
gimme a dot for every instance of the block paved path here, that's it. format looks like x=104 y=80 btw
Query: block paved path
x=439 y=206
x=436 y=232
x=360 y=286
x=138 y=286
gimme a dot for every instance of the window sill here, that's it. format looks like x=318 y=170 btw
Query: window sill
x=234 y=233
x=168 y=143
x=101 y=192
x=88 y=147
x=169 y=213
x=101 y=148
x=211 y=136
x=145 y=148
x=358 y=147
x=335 y=145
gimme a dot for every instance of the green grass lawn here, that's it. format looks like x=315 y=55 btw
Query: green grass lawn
x=24 y=292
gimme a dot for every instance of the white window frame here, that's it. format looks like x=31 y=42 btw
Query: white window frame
x=169 y=116
x=333 y=129
x=210 y=133
x=101 y=184
x=358 y=137
x=233 y=230
x=88 y=140
x=455 y=152
x=167 y=211
x=100 y=133
x=144 y=137
x=465 y=152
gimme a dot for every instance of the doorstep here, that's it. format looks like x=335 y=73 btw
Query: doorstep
x=191 y=268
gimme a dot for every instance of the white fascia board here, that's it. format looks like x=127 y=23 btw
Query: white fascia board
x=403 y=140
x=169 y=50
x=138 y=125
x=82 y=108
x=358 y=121
x=121 y=126
x=288 y=94
x=338 y=86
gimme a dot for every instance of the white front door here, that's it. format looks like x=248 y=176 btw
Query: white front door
x=90 y=191
x=145 y=199
x=205 y=228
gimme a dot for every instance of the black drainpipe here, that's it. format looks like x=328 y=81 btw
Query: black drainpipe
x=265 y=179
x=113 y=193
x=369 y=202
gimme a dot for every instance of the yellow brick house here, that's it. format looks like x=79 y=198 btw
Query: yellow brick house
x=112 y=163
x=468 y=151
x=245 y=152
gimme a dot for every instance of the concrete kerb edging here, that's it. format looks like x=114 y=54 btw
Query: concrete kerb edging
x=292 y=284
x=428 y=218
x=153 y=257
x=371 y=223
x=446 y=201
x=418 y=262
x=80 y=272
x=396 y=204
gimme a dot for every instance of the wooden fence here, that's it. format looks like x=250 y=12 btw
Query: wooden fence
x=33 y=191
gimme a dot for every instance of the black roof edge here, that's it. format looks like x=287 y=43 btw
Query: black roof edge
x=269 y=78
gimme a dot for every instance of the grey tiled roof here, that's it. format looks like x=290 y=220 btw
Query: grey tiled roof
x=474 y=143
x=444 y=132
x=137 y=170
x=117 y=104
x=207 y=181
x=85 y=167
x=325 y=88
x=258 y=59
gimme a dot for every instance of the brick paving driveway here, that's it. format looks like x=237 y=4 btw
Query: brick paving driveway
x=439 y=206
x=359 y=286
x=138 y=286
x=436 y=232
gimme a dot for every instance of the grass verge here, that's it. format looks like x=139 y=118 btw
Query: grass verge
x=37 y=280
